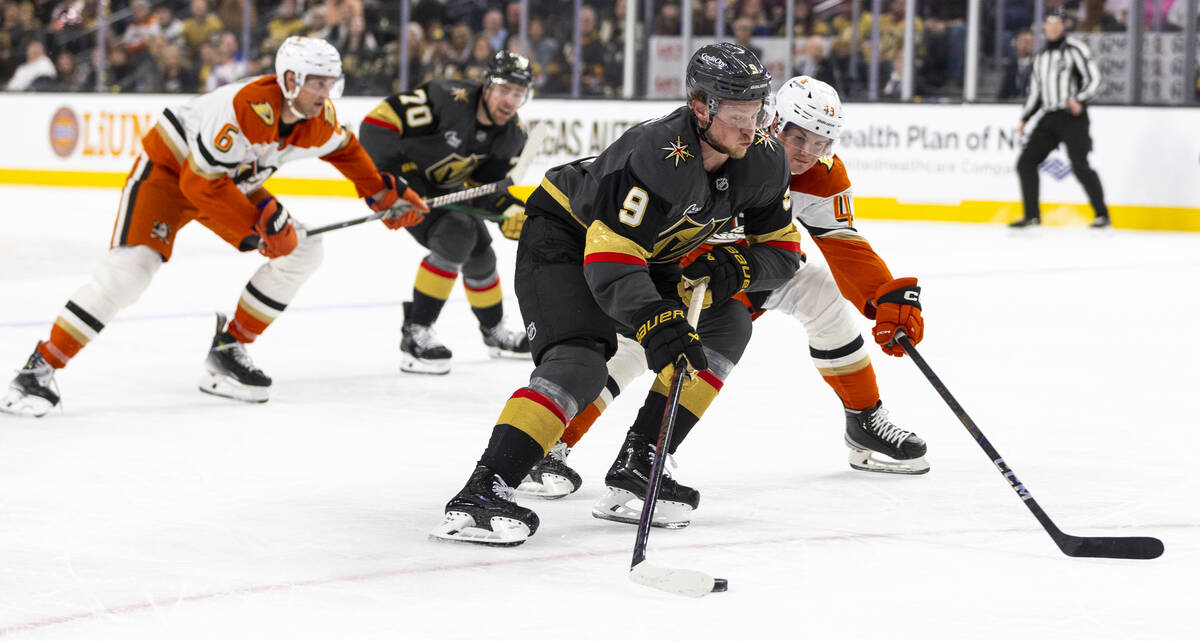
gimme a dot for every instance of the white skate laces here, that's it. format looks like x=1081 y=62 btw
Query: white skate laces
x=502 y=490
x=423 y=336
x=559 y=452
x=885 y=429
x=238 y=351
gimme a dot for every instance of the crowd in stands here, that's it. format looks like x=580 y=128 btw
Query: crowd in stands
x=189 y=46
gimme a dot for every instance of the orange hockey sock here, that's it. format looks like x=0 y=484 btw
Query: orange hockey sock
x=857 y=389
x=582 y=423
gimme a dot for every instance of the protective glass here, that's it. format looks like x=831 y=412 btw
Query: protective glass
x=746 y=114
x=798 y=139
x=521 y=93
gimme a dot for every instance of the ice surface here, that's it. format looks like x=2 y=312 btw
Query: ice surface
x=146 y=510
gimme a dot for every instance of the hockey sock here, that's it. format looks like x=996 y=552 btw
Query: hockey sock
x=272 y=288
x=858 y=389
x=529 y=425
x=697 y=394
x=117 y=283
x=435 y=281
x=486 y=298
x=582 y=422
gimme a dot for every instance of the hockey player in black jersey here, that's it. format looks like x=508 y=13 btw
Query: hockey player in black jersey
x=444 y=136
x=599 y=255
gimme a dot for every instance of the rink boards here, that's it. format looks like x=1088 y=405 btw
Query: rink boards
x=909 y=162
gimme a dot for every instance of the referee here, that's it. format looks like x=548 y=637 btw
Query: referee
x=1064 y=78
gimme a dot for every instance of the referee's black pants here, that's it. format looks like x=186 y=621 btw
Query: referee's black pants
x=1053 y=128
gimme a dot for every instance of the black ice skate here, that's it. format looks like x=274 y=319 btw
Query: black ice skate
x=627 y=480
x=420 y=350
x=33 y=392
x=484 y=512
x=551 y=477
x=878 y=445
x=505 y=343
x=229 y=372
x=1025 y=222
x=1101 y=222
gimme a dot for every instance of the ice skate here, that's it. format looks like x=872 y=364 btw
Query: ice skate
x=229 y=372
x=878 y=445
x=484 y=512
x=505 y=343
x=551 y=477
x=33 y=392
x=420 y=350
x=1024 y=223
x=1101 y=222
x=626 y=483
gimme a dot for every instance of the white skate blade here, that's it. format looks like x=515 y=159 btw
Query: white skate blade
x=18 y=403
x=871 y=461
x=623 y=506
x=552 y=486
x=226 y=387
x=459 y=526
x=675 y=580
x=414 y=365
x=499 y=352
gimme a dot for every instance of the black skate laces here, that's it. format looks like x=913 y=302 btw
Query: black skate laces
x=885 y=429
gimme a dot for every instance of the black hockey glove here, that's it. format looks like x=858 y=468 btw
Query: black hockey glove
x=664 y=332
x=727 y=268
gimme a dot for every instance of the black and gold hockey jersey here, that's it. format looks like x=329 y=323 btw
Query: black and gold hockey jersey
x=432 y=138
x=648 y=200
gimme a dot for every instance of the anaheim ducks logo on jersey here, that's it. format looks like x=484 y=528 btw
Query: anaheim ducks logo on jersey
x=453 y=169
x=265 y=111
x=827 y=161
x=685 y=235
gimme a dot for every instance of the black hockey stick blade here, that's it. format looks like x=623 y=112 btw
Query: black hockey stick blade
x=1110 y=547
x=1106 y=547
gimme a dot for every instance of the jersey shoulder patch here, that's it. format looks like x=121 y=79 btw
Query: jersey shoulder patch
x=825 y=179
x=257 y=106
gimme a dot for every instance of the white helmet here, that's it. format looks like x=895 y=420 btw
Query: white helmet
x=304 y=57
x=809 y=103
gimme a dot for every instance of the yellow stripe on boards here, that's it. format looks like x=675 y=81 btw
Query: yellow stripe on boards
x=1146 y=217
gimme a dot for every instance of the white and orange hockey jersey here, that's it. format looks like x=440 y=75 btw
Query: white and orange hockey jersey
x=823 y=202
x=225 y=144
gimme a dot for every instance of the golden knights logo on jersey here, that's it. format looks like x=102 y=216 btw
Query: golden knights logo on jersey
x=685 y=235
x=452 y=170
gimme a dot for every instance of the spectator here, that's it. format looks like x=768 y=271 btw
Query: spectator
x=543 y=47
x=7 y=61
x=71 y=76
x=512 y=18
x=286 y=22
x=475 y=67
x=177 y=77
x=200 y=25
x=230 y=13
x=170 y=26
x=1014 y=80
x=460 y=41
x=592 y=53
x=208 y=59
x=230 y=66
x=493 y=29
x=752 y=10
x=667 y=23
x=36 y=65
x=1094 y=17
x=143 y=27
x=815 y=63
x=743 y=30
x=120 y=68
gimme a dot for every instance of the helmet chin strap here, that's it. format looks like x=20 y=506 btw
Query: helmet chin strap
x=291 y=105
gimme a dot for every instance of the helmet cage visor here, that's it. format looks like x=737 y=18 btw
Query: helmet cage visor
x=507 y=85
x=798 y=138
x=743 y=114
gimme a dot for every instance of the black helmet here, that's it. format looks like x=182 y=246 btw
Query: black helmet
x=726 y=71
x=510 y=67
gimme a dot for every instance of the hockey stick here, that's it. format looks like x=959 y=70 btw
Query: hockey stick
x=1108 y=547
x=532 y=143
x=677 y=581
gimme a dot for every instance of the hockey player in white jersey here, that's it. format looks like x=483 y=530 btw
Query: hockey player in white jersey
x=808 y=122
x=207 y=161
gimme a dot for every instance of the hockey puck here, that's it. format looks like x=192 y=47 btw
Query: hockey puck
x=720 y=585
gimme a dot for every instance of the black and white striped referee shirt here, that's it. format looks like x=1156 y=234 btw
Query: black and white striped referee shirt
x=1061 y=71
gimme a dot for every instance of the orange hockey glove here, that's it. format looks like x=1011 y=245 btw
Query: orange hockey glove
x=898 y=304
x=274 y=226
x=389 y=199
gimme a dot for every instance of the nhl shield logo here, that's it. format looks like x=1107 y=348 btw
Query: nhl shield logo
x=722 y=183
